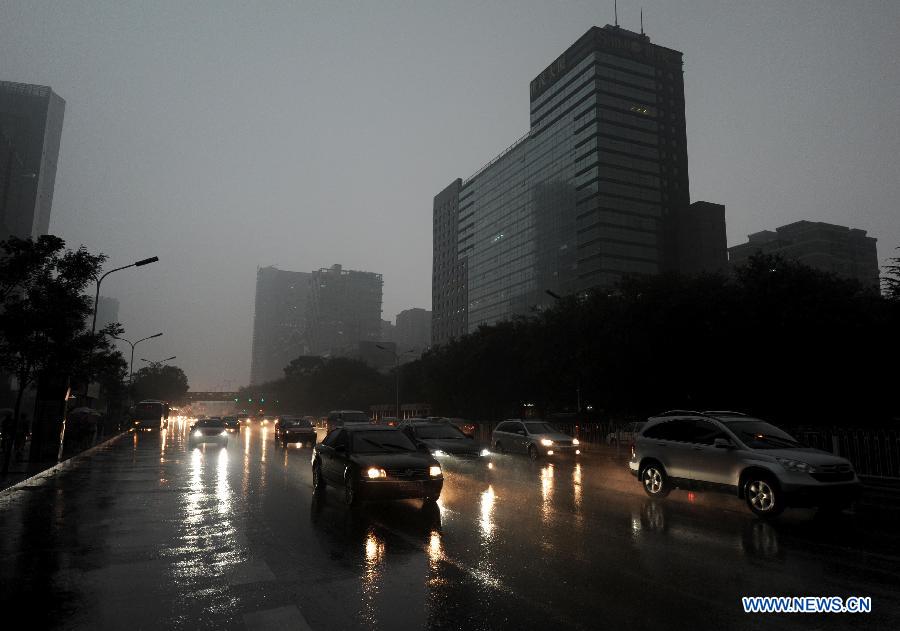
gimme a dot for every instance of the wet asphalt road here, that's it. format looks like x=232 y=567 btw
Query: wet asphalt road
x=146 y=534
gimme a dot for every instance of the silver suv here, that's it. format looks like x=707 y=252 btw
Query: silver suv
x=746 y=456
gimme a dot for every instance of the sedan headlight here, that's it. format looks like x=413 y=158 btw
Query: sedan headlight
x=796 y=465
x=435 y=471
x=546 y=442
x=438 y=452
x=485 y=452
x=374 y=473
x=576 y=442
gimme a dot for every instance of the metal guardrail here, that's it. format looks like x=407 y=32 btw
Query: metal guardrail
x=873 y=452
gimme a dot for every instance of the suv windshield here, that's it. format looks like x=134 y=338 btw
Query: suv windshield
x=438 y=431
x=381 y=441
x=541 y=428
x=758 y=434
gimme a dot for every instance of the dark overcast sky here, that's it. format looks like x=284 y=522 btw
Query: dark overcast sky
x=222 y=136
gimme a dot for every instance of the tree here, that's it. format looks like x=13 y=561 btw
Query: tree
x=891 y=280
x=158 y=381
x=43 y=312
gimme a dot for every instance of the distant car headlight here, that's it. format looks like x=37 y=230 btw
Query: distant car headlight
x=485 y=452
x=197 y=433
x=435 y=471
x=374 y=473
x=796 y=465
x=438 y=452
x=575 y=441
x=546 y=442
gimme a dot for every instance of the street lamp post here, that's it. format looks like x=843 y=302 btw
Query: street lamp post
x=133 y=344
x=397 y=357
x=161 y=361
x=141 y=263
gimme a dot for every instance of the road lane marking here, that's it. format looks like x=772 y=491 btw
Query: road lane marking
x=288 y=618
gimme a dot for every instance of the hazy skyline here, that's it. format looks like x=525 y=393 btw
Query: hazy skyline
x=221 y=137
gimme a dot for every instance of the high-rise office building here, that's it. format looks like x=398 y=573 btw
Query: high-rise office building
x=344 y=309
x=847 y=252
x=31 y=120
x=279 y=322
x=413 y=331
x=594 y=191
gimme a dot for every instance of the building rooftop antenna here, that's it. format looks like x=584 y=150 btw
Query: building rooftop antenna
x=642 y=20
x=616 y=11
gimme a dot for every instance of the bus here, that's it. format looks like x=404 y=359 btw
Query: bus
x=150 y=415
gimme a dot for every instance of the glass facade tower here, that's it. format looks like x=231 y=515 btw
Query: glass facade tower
x=592 y=192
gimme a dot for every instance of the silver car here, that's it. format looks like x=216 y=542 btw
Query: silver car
x=537 y=439
x=209 y=430
x=742 y=455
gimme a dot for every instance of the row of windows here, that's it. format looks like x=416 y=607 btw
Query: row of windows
x=626 y=64
x=577 y=89
x=602 y=246
x=646 y=98
x=621 y=175
x=613 y=188
x=629 y=105
x=626 y=119
x=587 y=236
x=574 y=74
x=608 y=217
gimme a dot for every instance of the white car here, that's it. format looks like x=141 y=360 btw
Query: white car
x=209 y=430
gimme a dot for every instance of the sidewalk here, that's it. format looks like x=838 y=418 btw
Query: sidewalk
x=21 y=471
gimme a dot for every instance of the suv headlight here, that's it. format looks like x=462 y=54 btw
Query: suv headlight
x=576 y=442
x=435 y=471
x=374 y=473
x=198 y=433
x=796 y=465
x=485 y=452
x=546 y=442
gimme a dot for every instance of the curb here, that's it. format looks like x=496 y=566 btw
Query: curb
x=46 y=473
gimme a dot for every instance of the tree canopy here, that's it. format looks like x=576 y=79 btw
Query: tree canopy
x=159 y=381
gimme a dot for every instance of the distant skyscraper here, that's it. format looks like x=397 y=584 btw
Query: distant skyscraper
x=344 y=309
x=31 y=120
x=595 y=190
x=107 y=311
x=279 y=322
x=413 y=330
x=847 y=252
x=388 y=331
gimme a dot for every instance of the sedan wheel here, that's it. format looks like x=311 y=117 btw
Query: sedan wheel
x=498 y=447
x=318 y=480
x=763 y=497
x=654 y=481
x=351 y=494
x=532 y=452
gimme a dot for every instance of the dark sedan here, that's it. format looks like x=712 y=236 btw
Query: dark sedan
x=443 y=439
x=372 y=462
x=232 y=423
x=292 y=429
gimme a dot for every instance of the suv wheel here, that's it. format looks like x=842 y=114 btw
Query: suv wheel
x=498 y=447
x=655 y=481
x=763 y=496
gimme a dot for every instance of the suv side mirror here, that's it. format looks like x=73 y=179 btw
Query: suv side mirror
x=723 y=443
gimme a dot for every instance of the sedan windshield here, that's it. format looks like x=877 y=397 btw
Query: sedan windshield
x=209 y=423
x=381 y=441
x=758 y=434
x=541 y=428
x=297 y=423
x=436 y=431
